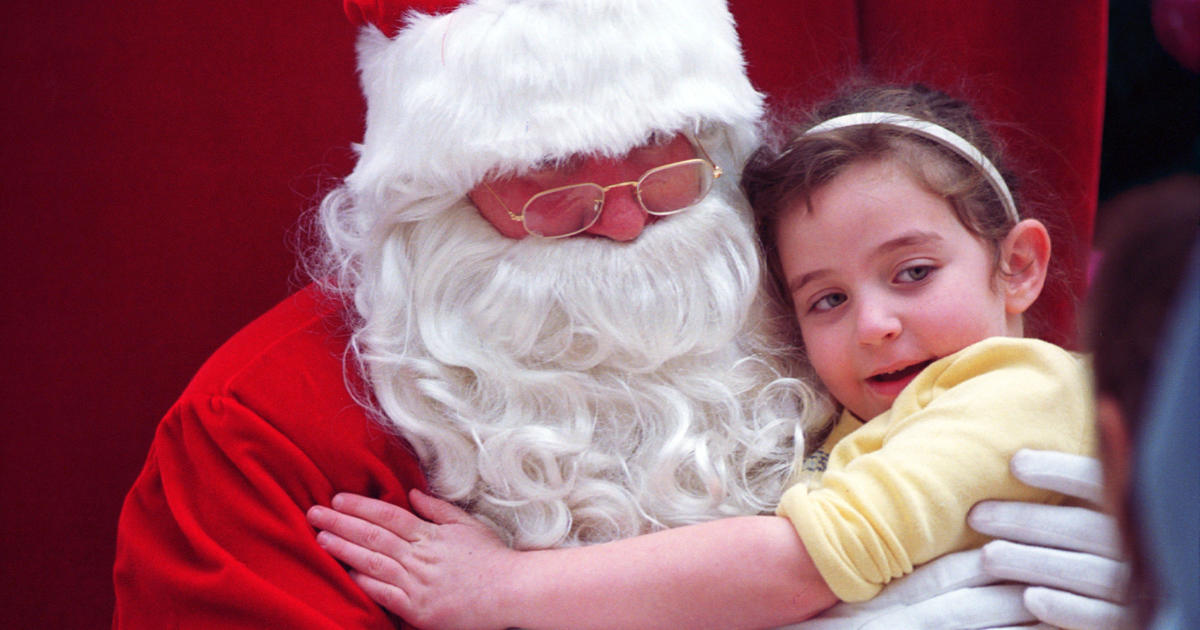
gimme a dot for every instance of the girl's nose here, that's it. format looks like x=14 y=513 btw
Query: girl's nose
x=622 y=218
x=876 y=323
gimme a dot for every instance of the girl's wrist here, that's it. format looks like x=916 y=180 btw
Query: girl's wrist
x=525 y=591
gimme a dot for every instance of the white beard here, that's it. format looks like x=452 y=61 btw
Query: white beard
x=581 y=390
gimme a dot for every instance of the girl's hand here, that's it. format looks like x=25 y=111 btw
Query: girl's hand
x=445 y=572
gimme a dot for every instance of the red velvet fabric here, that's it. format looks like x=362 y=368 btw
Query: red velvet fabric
x=213 y=533
x=157 y=157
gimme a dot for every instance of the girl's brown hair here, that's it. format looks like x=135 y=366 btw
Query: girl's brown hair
x=775 y=180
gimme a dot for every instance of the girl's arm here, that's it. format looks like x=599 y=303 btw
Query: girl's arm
x=453 y=572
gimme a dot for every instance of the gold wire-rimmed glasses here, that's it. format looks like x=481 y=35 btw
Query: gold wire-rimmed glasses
x=568 y=210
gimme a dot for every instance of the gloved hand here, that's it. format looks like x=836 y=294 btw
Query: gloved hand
x=1055 y=565
x=950 y=592
x=1071 y=556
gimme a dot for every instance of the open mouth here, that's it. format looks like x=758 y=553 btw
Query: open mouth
x=901 y=374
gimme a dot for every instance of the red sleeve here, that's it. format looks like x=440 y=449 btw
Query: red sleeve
x=213 y=533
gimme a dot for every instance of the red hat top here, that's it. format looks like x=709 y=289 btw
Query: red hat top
x=386 y=14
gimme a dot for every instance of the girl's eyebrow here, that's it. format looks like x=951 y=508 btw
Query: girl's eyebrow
x=795 y=284
x=907 y=239
x=912 y=238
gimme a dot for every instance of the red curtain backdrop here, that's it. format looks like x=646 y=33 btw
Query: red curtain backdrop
x=158 y=158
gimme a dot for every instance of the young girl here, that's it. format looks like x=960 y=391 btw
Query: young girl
x=899 y=246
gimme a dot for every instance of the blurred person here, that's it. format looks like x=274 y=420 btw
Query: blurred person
x=1144 y=316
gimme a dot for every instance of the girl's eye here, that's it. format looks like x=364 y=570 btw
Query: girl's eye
x=827 y=302
x=915 y=273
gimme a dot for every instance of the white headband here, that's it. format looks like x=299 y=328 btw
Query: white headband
x=934 y=132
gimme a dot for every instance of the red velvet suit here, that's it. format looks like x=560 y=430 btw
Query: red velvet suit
x=213 y=533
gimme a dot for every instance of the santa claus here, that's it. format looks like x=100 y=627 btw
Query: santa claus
x=540 y=275
x=559 y=299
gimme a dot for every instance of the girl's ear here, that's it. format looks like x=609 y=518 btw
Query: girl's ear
x=1024 y=260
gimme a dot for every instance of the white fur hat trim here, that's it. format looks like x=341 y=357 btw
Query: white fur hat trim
x=498 y=86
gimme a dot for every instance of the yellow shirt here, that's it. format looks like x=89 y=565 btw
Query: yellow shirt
x=896 y=490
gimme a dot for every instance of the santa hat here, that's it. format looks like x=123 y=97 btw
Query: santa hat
x=459 y=90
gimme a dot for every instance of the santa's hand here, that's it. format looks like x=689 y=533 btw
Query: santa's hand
x=1065 y=562
x=438 y=573
x=1070 y=556
x=951 y=592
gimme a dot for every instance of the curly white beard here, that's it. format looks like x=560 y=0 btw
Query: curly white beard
x=582 y=390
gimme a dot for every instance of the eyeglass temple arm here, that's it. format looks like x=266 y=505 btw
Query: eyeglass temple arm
x=519 y=219
x=515 y=217
x=716 y=169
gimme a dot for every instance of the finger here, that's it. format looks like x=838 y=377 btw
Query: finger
x=356 y=530
x=437 y=510
x=366 y=561
x=390 y=596
x=966 y=609
x=391 y=517
x=1074 y=475
x=1061 y=526
x=1074 y=612
x=947 y=573
x=1086 y=574
x=948 y=607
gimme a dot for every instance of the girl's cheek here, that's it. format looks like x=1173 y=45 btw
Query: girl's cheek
x=821 y=354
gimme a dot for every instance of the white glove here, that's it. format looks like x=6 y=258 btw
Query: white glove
x=1064 y=561
x=951 y=592
x=1071 y=556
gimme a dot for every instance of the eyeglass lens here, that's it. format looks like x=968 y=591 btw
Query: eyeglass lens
x=572 y=209
x=564 y=211
x=676 y=187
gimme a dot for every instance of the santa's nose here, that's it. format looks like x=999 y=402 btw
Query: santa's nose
x=622 y=218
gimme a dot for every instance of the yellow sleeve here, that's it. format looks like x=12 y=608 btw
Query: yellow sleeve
x=897 y=491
